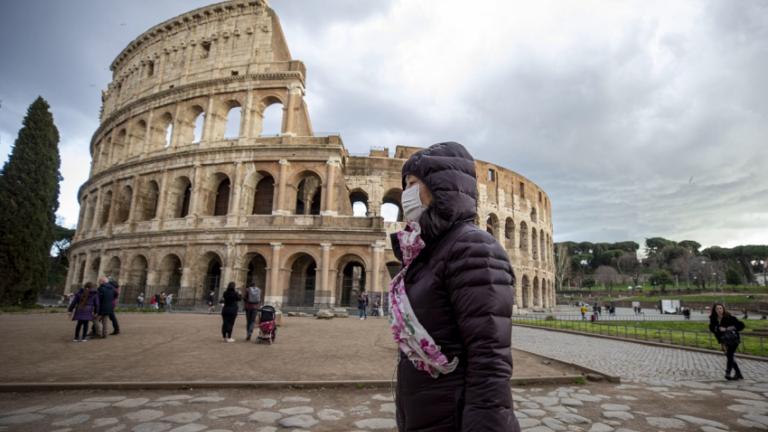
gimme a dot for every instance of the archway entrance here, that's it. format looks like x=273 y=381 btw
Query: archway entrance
x=212 y=278
x=352 y=275
x=301 y=289
x=257 y=273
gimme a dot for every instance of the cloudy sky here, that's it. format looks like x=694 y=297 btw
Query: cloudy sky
x=639 y=119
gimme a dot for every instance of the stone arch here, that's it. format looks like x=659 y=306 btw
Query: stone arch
x=90 y=213
x=302 y=280
x=542 y=247
x=526 y=287
x=148 y=201
x=118 y=146
x=256 y=272
x=258 y=195
x=106 y=208
x=162 y=132
x=524 y=237
x=218 y=202
x=81 y=275
x=391 y=204
x=358 y=199
x=534 y=244
x=212 y=267
x=509 y=233
x=191 y=125
x=272 y=117
x=112 y=269
x=93 y=270
x=350 y=279
x=137 y=276
x=95 y=157
x=233 y=127
x=137 y=138
x=308 y=194
x=169 y=274
x=179 y=197
x=536 y=292
x=492 y=224
x=123 y=205
x=534 y=217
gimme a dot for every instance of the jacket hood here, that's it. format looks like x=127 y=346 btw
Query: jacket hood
x=448 y=170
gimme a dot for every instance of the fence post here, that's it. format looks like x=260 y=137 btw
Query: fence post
x=683 y=337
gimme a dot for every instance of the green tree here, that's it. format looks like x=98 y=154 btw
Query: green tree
x=661 y=278
x=60 y=260
x=29 y=198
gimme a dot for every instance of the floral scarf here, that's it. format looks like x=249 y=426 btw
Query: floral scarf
x=410 y=335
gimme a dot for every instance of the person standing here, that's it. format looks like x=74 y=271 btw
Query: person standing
x=451 y=304
x=107 y=298
x=362 y=305
x=252 y=305
x=169 y=302
x=140 y=301
x=85 y=305
x=229 y=311
x=211 y=301
x=726 y=328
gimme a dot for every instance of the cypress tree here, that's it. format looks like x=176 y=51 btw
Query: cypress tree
x=29 y=198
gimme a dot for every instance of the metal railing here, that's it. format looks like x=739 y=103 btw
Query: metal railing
x=750 y=344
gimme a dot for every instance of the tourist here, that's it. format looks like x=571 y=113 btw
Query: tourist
x=451 y=314
x=252 y=304
x=140 y=301
x=229 y=311
x=211 y=299
x=362 y=305
x=584 y=312
x=153 y=302
x=169 y=301
x=726 y=328
x=85 y=305
x=107 y=298
x=161 y=300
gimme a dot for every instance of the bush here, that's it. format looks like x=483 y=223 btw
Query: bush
x=549 y=318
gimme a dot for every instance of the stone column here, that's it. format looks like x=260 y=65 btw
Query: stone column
x=162 y=197
x=187 y=291
x=178 y=126
x=134 y=199
x=228 y=273
x=96 y=220
x=197 y=189
x=247 y=116
x=329 y=198
x=326 y=296
x=210 y=120
x=233 y=214
x=289 y=112
x=378 y=254
x=148 y=135
x=274 y=293
x=282 y=183
x=74 y=265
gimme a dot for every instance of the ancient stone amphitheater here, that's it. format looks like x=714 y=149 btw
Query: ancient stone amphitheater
x=189 y=189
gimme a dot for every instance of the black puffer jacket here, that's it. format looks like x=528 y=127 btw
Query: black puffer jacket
x=461 y=289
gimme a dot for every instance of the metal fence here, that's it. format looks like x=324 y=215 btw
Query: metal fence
x=750 y=344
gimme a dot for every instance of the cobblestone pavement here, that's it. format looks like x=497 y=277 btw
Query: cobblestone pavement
x=631 y=361
x=598 y=407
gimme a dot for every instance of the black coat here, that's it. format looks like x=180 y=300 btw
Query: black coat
x=107 y=296
x=727 y=321
x=230 y=300
x=461 y=289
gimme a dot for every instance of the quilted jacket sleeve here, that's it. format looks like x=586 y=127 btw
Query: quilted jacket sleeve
x=480 y=280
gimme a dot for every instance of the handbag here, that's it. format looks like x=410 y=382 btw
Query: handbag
x=730 y=338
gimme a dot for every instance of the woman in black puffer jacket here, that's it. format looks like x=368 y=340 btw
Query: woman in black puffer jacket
x=721 y=322
x=451 y=304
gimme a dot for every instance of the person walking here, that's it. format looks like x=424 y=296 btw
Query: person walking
x=107 y=298
x=140 y=301
x=85 y=306
x=451 y=304
x=169 y=302
x=229 y=311
x=161 y=301
x=252 y=305
x=362 y=305
x=726 y=328
x=211 y=302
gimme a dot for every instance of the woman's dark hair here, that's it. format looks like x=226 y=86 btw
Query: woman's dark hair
x=231 y=286
x=713 y=314
x=86 y=294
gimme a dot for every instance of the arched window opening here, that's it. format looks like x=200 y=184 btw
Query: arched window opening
x=542 y=250
x=150 y=201
x=170 y=275
x=301 y=290
x=492 y=224
x=264 y=196
x=185 y=199
x=124 y=205
x=536 y=292
x=308 y=196
x=524 y=237
x=106 y=207
x=353 y=282
x=509 y=233
x=391 y=209
x=534 y=244
x=118 y=146
x=359 y=201
x=257 y=273
x=534 y=219
x=178 y=198
x=272 y=120
x=197 y=133
x=81 y=275
x=167 y=129
x=221 y=204
x=234 y=119
x=212 y=279
x=138 y=136
x=137 y=278
x=112 y=270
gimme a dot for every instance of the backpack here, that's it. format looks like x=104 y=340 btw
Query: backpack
x=730 y=338
x=254 y=295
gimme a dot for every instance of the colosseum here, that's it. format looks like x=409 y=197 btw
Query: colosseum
x=205 y=169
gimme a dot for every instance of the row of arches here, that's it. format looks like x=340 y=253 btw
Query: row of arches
x=190 y=124
x=192 y=281
x=536 y=292
x=539 y=247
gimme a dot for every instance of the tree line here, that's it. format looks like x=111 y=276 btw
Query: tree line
x=666 y=262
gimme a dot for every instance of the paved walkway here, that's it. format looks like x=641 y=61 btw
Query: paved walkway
x=631 y=361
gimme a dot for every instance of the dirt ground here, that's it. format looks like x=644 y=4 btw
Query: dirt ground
x=188 y=347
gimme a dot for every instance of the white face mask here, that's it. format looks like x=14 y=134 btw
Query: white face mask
x=412 y=206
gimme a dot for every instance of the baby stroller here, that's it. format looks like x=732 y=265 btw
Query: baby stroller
x=267 y=325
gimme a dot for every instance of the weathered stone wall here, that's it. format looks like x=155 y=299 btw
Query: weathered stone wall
x=177 y=203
